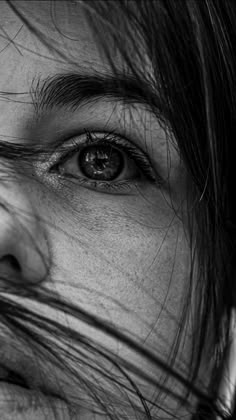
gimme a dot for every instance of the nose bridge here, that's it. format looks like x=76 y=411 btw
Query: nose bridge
x=22 y=236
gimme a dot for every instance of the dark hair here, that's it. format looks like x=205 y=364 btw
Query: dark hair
x=190 y=45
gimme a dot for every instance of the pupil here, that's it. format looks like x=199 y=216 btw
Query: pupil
x=101 y=162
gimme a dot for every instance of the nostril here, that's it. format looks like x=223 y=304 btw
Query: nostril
x=11 y=261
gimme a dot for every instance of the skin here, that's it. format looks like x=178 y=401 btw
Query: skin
x=124 y=258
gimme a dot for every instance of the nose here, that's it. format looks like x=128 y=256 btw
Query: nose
x=23 y=243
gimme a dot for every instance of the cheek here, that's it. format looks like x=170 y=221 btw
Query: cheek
x=118 y=268
x=141 y=296
x=131 y=274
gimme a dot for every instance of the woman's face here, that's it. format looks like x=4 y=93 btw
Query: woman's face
x=123 y=255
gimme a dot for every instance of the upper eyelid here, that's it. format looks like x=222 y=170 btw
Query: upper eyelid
x=70 y=137
x=65 y=141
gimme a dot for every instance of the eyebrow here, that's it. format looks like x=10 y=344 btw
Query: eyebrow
x=73 y=90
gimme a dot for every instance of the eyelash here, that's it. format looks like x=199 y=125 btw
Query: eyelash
x=139 y=157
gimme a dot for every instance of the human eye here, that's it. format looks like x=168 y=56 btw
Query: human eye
x=105 y=162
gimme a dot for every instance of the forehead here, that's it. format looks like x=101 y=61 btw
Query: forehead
x=49 y=15
x=61 y=29
x=59 y=38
